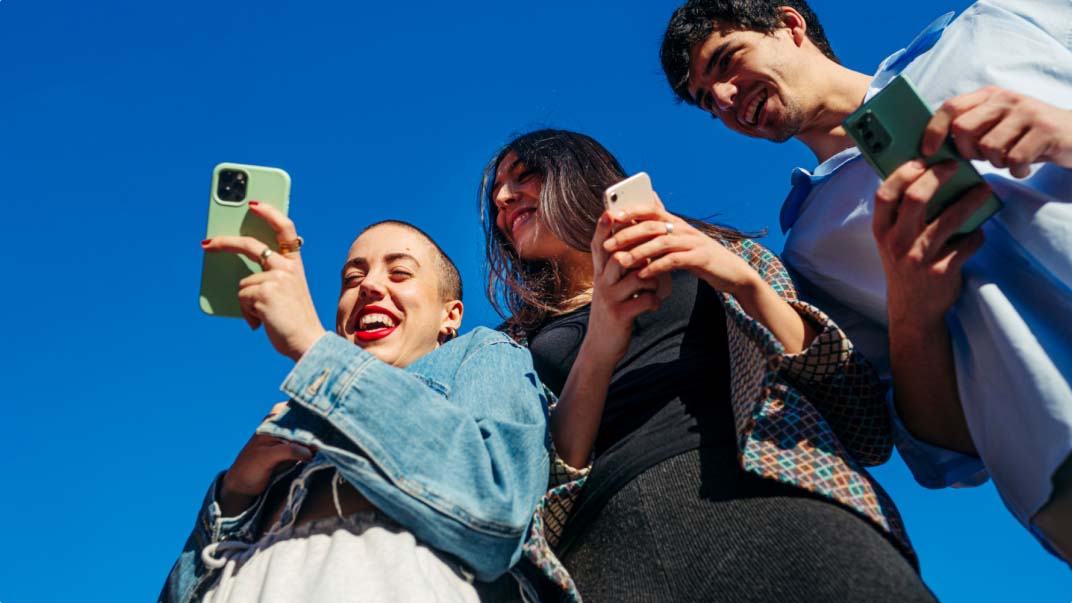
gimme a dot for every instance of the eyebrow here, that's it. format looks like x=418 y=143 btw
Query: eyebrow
x=711 y=62
x=497 y=185
x=389 y=258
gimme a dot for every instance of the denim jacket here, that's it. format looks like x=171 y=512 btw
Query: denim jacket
x=453 y=447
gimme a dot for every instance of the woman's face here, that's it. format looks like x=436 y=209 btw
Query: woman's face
x=516 y=194
x=390 y=303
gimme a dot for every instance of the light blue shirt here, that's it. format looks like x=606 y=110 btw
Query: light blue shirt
x=1012 y=326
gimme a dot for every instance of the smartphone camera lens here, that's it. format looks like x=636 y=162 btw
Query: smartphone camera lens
x=613 y=197
x=232 y=185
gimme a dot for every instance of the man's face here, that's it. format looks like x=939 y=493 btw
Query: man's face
x=751 y=81
x=390 y=303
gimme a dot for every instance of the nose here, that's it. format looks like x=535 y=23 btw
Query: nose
x=724 y=93
x=373 y=286
x=504 y=196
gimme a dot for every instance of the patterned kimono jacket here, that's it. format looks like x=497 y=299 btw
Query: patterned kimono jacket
x=811 y=420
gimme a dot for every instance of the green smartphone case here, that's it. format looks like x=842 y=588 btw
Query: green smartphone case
x=888 y=130
x=221 y=272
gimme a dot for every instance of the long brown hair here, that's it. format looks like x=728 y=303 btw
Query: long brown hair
x=575 y=170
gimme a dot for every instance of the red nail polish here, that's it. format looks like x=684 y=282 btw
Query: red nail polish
x=206 y=242
x=254 y=203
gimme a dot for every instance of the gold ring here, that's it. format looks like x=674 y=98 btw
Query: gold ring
x=267 y=253
x=291 y=246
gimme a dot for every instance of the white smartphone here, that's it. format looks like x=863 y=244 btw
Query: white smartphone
x=634 y=191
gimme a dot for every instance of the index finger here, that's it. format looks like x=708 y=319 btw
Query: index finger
x=248 y=246
x=641 y=213
x=599 y=255
x=937 y=129
x=283 y=226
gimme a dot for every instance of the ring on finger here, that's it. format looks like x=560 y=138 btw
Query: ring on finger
x=267 y=253
x=286 y=247
x=669 y=227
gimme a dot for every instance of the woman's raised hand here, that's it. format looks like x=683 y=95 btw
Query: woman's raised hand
x=656 y=242
x=279 y=296
x=618 y=296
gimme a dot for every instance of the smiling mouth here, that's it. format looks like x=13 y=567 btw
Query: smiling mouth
x=521 y=217
x=755 y=108
x=374 y=323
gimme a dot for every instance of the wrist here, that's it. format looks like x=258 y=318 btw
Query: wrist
x=305 y=342
x=913 y=327
x=747 y=289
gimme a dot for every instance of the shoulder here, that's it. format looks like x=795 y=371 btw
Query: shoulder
x=484 y=342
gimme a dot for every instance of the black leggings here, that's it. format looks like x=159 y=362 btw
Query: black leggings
x=698 y=528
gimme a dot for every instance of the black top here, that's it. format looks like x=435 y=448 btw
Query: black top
x=669 y=393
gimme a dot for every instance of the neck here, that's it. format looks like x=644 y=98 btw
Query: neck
x=842 y=93
x=578 y=273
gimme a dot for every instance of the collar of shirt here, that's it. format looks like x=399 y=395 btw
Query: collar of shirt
x=803 y=181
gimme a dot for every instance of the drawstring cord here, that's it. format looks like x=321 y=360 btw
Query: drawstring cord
x=208 y=554
x=335 y=482
x=217 y=554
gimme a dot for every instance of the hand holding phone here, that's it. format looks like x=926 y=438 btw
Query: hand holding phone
x=632 y=193
x=888 y=129
x=233 y=187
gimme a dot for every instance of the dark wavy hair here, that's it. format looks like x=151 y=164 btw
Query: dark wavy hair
x=575 y=170
x=696 y=21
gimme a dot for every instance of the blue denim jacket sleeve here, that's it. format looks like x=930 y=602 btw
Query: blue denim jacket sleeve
x=453 y=447
x=189 y=571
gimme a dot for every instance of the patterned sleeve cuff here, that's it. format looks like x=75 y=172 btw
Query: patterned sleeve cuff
x=562 y=472
x=933 y=466
x=827 y=354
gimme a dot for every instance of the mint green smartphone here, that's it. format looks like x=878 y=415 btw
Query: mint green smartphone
x=233 y=186
x=888 y=130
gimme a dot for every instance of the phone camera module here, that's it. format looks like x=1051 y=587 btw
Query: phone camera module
x=613 y=197
x=232 y=185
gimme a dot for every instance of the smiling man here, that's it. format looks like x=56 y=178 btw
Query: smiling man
x=408 y=461
x=976 y=344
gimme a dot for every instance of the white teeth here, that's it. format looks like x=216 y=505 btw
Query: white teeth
x=752 y=112
x=375 y=320
x=520 y=217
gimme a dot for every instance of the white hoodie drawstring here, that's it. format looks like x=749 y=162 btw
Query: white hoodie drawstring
x=335 y=491
x=208 y=554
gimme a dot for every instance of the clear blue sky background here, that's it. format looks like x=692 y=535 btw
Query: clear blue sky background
x=121 y=400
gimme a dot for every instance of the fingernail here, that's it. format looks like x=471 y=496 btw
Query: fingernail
x=254 y=203
x=206 y=242
x=619 y=214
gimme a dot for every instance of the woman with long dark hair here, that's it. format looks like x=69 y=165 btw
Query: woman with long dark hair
x=725 y=422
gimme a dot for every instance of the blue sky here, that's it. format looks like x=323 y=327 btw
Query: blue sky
x=122 y=399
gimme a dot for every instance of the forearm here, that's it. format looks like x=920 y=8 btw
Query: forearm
x=763 y=303
x=925 y=386
x=575 y=422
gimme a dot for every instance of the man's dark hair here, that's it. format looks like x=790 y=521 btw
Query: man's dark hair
x=450 y=280
x=696 y=21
